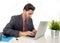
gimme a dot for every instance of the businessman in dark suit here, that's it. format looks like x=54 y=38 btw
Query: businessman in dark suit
x=22 y=24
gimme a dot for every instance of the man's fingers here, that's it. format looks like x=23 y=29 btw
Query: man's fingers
x=34 y=31
x=30 y=33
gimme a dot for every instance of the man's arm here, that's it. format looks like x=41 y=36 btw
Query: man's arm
x=9 y=29
x=33 y=32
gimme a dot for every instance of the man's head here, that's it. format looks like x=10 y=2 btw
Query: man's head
x=28 y=10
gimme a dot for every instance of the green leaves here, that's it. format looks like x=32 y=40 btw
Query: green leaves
x=54 y=25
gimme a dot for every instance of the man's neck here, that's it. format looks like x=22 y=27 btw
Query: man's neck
x=24 y=16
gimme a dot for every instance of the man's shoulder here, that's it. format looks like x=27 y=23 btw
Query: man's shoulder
x=16 y=16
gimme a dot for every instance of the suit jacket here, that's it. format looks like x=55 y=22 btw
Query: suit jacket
x=16 y=25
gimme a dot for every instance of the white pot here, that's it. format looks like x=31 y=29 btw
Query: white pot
x=54 y=33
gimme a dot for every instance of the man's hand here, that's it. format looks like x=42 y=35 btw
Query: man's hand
x=28 y=33
x=22 y=33
x=34 y=31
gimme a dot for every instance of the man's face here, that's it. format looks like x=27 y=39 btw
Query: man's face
x=28 y=13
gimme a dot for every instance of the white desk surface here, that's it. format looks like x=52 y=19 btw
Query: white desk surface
x=31 y=40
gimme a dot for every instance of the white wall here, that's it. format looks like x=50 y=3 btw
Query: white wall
x=45 y=10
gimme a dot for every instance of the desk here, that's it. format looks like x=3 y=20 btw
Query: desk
x=31 y=40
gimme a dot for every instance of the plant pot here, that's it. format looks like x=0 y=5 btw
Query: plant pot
x=54 y=33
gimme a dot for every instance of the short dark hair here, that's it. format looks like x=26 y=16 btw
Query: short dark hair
x=29 y=6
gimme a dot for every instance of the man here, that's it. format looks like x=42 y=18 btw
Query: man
x=21 y=25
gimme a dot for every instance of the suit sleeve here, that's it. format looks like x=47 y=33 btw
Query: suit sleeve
x=32 y=24
x=9 y=29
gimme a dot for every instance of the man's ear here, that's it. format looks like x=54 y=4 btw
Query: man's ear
x=24 y=10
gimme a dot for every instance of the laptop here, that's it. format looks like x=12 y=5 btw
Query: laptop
x=41 y=29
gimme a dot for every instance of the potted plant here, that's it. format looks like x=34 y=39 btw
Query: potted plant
x=55 y=27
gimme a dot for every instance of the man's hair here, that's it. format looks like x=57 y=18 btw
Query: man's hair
x=28 y=7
